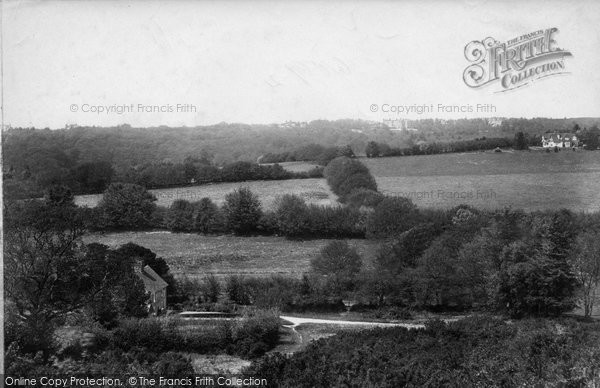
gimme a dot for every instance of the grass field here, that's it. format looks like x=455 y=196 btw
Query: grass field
x=312 y=190
x=527 y=180
x=194 y=255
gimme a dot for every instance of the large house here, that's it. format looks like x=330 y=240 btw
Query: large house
x=560 y=140
x=156 y=287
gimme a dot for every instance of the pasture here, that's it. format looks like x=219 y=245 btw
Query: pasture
x=194 y=255
x=529 y=180
x=313 y=190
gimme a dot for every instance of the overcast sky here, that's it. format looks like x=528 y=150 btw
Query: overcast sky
x=266 y=62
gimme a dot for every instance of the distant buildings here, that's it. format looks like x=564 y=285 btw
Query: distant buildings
x=494 y=121
x=156 y=287
x=293 y=124
x=397 y=124
x=560 y=140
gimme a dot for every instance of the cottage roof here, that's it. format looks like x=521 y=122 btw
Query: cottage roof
x=559 y=137
x=152 y=282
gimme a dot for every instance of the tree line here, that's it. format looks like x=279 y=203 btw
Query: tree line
x=472 y=352
x=95 y=177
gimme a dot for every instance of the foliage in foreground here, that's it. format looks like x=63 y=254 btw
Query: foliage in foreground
x=473 y=352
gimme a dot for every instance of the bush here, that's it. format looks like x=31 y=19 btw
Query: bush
x=236 y=290
x=152 y=333
x=345 y=175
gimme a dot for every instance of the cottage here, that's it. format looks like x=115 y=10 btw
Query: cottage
x=560 y=140
x=156 y=287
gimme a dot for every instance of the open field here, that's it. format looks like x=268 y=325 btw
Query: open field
x=194 y=255
x=529 y=180
x=312 y=190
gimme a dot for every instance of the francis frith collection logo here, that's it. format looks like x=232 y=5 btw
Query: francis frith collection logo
x=516 y=62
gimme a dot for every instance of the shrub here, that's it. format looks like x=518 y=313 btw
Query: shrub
x=236 y=290
x=345 y=175
x=152 y=333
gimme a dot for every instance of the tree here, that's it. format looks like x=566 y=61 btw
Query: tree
x=337 y=261
x=346 y=151
x=345 y=175
x=404 y=252
x=242 y=211
x=591 y=138
x=143 y=256
x=292 y=215
x=208 y=218
x=372 y=150
x=180 y=216
x=93 y=177
x=127 y=206
x=392 y=216
x=585 y=260
x=47 y=272
x=521 y=141
x=120 y=292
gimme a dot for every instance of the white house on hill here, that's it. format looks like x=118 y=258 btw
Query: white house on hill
x=560 y=140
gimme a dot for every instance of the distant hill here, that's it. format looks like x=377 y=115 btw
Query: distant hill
x=36 y=155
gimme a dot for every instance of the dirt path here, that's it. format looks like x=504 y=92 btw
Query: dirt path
x=295 y=341
x=297 y=321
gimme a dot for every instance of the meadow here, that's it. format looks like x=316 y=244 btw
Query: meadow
x=532 y=180
x=195 y=256
x=313 y=190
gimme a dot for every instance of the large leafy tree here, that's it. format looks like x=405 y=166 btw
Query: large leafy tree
x=392 y=216
x=127 y=206
x=207 y=217
x=338 y=262
x=585 y=260
x=242 y=211
x=180 y=216
x=292 y=215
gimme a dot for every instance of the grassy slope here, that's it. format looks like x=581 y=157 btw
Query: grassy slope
x=529 y=180
x=312 y=190
x=196 y=255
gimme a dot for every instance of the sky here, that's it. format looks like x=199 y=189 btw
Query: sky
x=107 y=63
